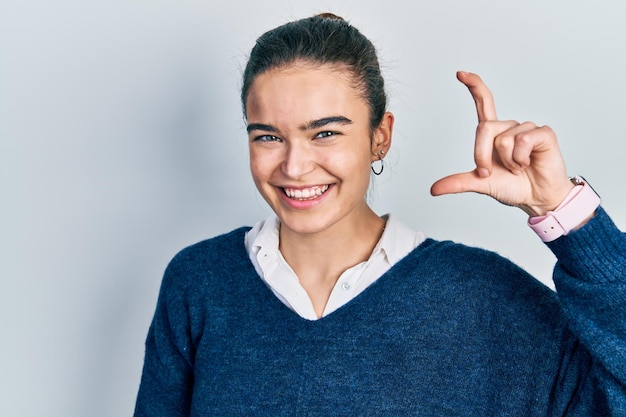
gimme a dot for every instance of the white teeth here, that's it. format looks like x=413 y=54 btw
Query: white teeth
x=305 y=193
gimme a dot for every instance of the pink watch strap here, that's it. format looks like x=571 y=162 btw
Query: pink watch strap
x=579 y=204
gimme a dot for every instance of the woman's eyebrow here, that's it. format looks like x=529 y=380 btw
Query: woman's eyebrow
x=312 y=125
x=260 y=126
x=316 y=124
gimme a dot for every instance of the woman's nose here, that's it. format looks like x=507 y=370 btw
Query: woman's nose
x=298 y=161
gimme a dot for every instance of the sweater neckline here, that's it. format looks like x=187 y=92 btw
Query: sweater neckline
x=368 y=295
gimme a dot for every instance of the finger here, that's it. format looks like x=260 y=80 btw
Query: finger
x=486 y=133
x=518 y=147
x=460 y=183
x=514 y=146
x=532 y=141
x=485 y=105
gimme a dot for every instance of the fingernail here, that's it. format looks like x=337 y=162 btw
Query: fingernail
x=483 y=172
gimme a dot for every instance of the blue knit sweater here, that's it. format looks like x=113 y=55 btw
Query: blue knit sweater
x=449 y=330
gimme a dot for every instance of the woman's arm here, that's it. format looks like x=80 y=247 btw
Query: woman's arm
x=167 y=379
x=520 y=164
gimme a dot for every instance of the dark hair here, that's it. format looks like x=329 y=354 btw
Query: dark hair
x=324 y=39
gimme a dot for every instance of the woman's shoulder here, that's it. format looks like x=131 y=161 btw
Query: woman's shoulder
x=484 y=285
x=228 y=242
x=477 y=271
x=449 y=253
x=225 y=252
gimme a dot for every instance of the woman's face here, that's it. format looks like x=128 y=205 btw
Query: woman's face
x=311 y=145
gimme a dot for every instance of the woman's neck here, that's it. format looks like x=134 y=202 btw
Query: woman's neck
x=319 y=259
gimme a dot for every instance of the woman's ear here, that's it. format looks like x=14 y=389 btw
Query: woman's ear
x=382 y=137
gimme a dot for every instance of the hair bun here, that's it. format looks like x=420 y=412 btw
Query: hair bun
x=328 y=15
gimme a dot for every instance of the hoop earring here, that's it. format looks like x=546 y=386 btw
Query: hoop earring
x=382 y=167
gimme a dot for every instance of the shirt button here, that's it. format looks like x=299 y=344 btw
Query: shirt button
x=345 y=286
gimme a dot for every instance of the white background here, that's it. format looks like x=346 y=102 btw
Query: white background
x=122 y=141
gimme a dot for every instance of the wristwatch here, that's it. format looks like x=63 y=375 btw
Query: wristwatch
x=579 y=204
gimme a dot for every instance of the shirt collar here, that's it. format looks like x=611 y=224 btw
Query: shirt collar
x=264 y=235
x=395 y=243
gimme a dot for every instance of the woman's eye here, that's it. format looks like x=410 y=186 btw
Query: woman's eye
x=327 y=134
x=267 y=138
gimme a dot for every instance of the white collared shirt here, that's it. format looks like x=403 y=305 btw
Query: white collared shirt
x=261 y=243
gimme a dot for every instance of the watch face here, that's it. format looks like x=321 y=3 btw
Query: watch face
x=577 y=180
x=580 y=180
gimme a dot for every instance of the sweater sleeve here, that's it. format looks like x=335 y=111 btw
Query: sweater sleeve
x=590 y=278
x=167 y=377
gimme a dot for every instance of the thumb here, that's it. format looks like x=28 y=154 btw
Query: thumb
x=460 y=183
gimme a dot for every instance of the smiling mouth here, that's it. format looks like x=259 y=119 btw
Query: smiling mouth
x=303 y=194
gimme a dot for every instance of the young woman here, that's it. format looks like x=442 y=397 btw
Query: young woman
x=328 y=309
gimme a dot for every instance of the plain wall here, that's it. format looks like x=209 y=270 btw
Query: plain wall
x=122 y=141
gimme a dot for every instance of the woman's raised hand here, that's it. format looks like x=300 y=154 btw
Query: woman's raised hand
x=518 y=164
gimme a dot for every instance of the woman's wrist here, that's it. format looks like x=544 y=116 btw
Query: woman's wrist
x=575 y=210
